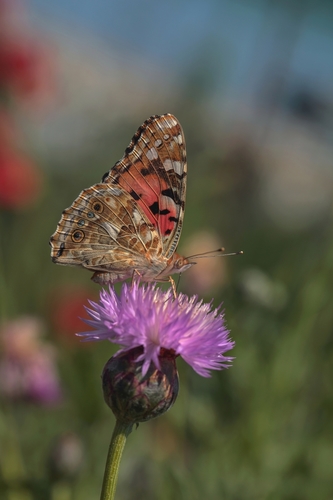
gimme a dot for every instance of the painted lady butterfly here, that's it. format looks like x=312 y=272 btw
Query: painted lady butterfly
x=130 y=223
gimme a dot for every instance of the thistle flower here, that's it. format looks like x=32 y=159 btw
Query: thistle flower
x=150 y=318
x=140 y=381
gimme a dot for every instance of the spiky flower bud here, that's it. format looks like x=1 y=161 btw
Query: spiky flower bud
x=134 y=397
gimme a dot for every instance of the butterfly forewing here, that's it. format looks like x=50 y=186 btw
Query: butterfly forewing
x=153 y=170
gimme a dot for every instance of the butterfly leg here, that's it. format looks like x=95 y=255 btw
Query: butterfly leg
x=173 y=286
x=135 y=276
x=172 y=283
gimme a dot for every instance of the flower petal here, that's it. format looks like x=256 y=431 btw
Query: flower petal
x=149 y=317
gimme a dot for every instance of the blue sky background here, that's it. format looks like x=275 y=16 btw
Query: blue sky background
x=238 y=41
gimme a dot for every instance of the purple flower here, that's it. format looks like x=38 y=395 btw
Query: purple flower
x=148 y=317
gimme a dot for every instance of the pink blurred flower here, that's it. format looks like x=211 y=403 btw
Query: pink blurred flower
x=210 y=273
x=27 y=365
x=66 y=456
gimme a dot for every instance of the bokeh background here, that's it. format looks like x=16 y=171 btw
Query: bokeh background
x=251 y=83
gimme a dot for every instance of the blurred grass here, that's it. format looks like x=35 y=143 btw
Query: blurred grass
x=261 y=430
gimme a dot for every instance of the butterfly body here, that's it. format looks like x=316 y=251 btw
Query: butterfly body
x=130 y=223
x=145 y=270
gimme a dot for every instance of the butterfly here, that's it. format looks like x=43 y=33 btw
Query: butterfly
x=129 y=224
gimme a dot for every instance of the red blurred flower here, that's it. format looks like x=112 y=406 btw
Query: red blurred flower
x=20 y=180
x=27 y=68
x=17 y=65
x=68 y=309
x=8 y=130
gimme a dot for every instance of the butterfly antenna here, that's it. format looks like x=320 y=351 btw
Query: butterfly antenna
x=214 y=253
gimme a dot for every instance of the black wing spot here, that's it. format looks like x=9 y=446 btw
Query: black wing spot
x=122 y=168
x=114 y=180
x=173 y=219
x=154 y=208
x=135 y=138
x=98 y=207
x=167 y=231
x=135 y=195
x=165 y=211
x=78 y=236
x=168 y=192
x=61 y=249
x=157 y=165
x=139 y=132
x=149 y=170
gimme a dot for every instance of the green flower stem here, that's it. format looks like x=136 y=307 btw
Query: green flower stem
x=118 y=440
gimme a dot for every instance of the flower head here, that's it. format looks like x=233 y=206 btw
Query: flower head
x=150 y=318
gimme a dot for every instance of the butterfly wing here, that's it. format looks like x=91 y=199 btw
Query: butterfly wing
x=103 y=230
x=153 y=171
x=132 y=220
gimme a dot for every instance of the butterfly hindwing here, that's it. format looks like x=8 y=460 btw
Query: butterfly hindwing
x=101 y=226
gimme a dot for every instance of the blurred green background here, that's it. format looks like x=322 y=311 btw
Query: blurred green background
x=251 y=84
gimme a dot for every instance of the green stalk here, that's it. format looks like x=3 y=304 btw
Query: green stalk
x=118 y=440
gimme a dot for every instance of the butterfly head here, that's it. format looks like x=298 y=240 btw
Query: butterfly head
x=179 y=264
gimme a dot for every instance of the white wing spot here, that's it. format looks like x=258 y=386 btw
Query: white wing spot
x=166 y=137
x=115 y=191
x=158 y=143
x=180 y=139
x=111 y=202
x=152 y=154
x=112 y=231
x=177 y=165
x=172 y=121
x=136 y=217
x=173 y=165
x=168 y=164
